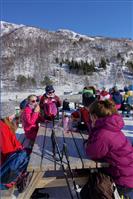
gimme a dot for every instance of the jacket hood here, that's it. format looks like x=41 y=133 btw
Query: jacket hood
x=114 y=122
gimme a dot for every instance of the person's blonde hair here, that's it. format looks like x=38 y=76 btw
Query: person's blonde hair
x=103 y=108
x=30 y=96
x=12 y=125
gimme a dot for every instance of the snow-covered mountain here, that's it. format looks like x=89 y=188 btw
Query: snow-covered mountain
x=73 y=35
x=35 y=53
x=6 y=27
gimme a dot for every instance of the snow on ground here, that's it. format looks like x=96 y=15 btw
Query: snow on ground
x=18 y=96
x=74 y=35
x=128 y=128
x=10 y=100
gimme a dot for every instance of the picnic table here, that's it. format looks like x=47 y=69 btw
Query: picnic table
x=44 y=164
x=55 y=155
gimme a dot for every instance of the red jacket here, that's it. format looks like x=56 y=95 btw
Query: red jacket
x=83 y=115
x=8 y=142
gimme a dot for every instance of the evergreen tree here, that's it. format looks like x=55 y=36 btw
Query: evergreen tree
x=118 y=56
x=26 y=82
x=102 y=63
x=81 y=67
x=56 y=60
x=130 y=65
x=21 y=81
x=46 y=81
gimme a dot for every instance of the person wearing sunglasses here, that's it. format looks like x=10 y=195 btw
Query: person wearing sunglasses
x=49 y=103
x=30 y=117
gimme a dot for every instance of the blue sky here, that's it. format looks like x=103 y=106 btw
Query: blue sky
x=113 y=18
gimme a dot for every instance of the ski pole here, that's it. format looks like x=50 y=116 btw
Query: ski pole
x=65 y=151
x=78 y=148
x=70 y=170
x=44 y=140
x=62 y=165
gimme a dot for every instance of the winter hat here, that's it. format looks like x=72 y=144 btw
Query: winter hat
x=49 y=88
x=87 y=99
x=126 y=89
x=90 y=91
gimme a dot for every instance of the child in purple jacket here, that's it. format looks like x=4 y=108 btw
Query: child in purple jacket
x=108 y=143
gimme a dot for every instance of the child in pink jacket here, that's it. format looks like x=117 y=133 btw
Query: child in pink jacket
x=30 y=117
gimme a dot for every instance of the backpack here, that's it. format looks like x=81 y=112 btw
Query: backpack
x=12 y=168
x=99 y=186
x=50 y=108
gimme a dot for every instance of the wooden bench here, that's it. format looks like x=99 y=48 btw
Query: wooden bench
x=47 y=168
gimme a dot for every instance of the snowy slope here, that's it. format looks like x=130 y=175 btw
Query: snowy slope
x=32 y=52
x=6 y=28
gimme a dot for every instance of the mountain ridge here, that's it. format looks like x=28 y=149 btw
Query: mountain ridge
x=65 y=30
x=33 y=52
